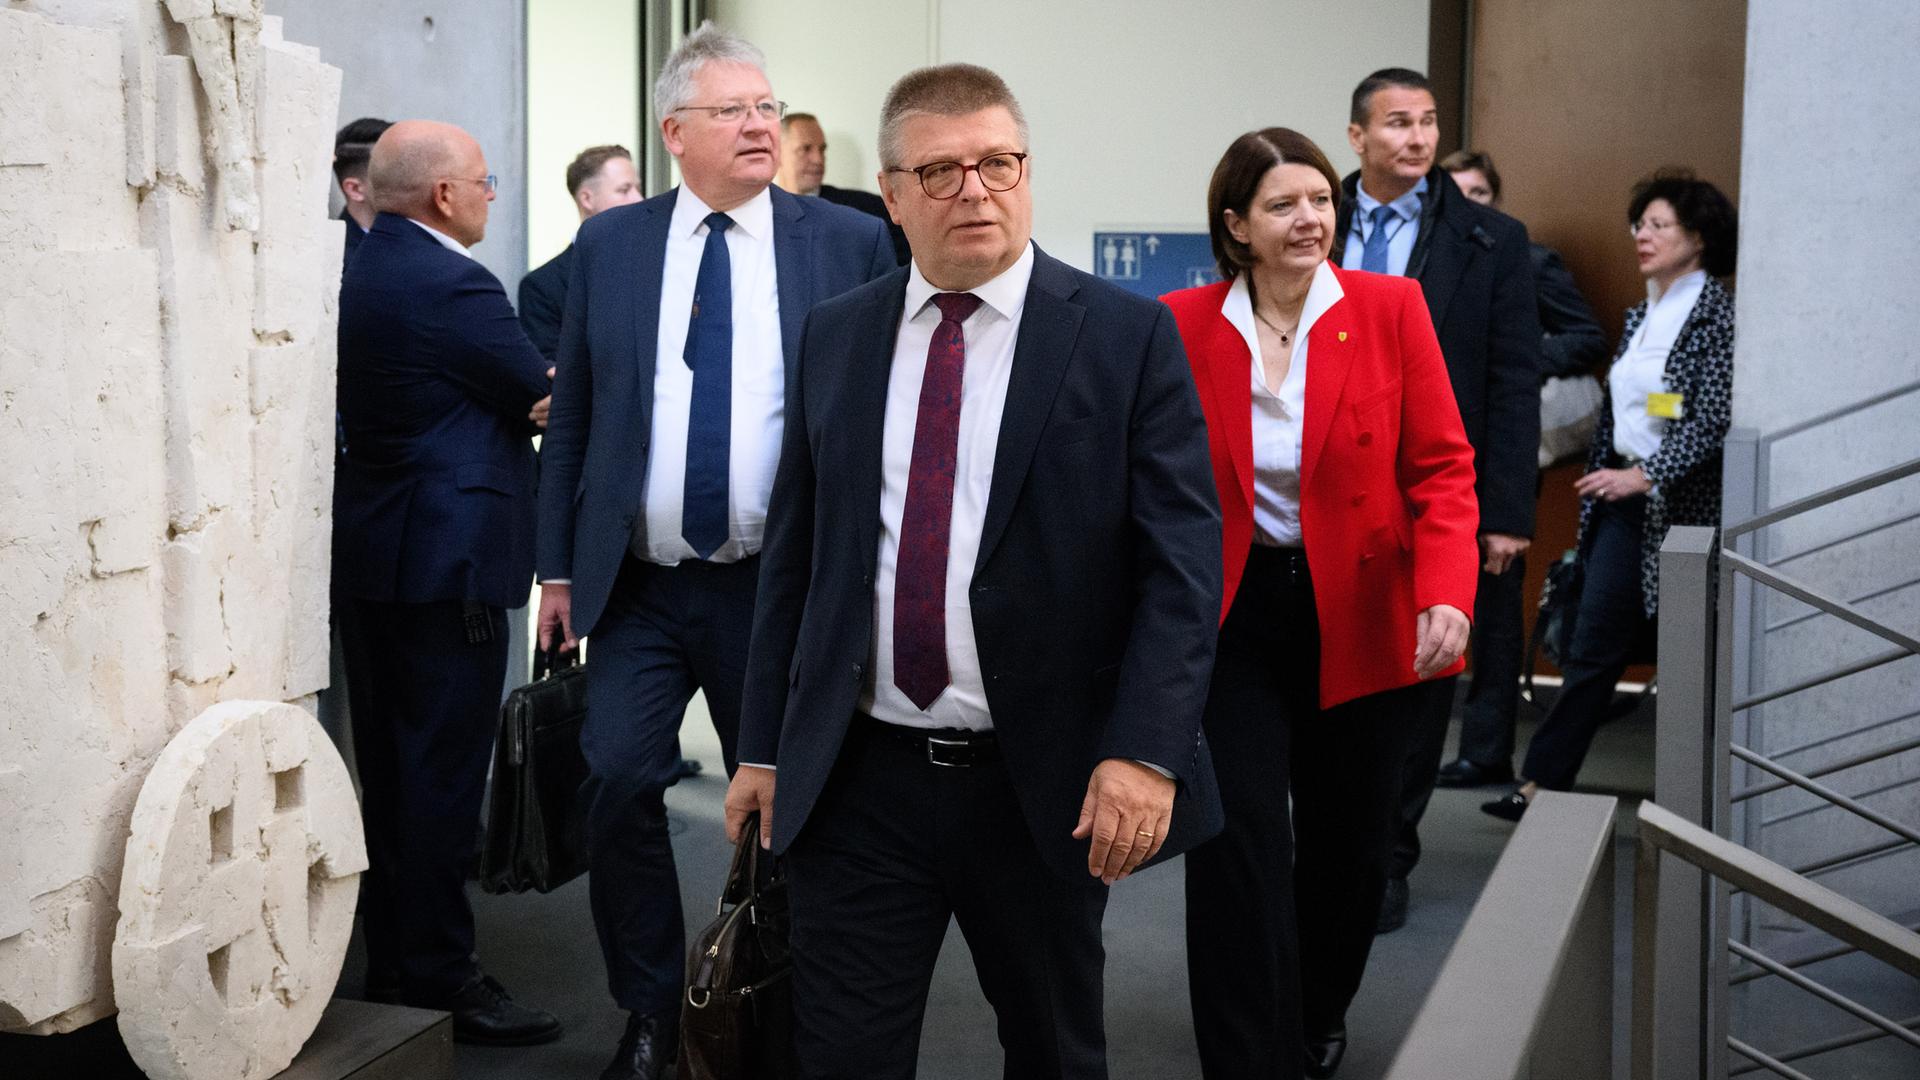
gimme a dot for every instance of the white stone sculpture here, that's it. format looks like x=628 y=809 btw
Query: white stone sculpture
x=166 y=429
x=237 y=896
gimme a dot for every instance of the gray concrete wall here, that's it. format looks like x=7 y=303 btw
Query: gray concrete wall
x=462 y=62
x=1827 y=266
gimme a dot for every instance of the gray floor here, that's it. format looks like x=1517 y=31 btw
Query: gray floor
x=543 y=948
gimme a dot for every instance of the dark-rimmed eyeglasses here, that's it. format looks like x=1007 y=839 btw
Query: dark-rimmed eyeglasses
x=944 y=179
x=770 y=111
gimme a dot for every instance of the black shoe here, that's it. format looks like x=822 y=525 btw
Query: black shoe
x=1393 y=907
x=647 y=1049
x=484 y=1015
x=1464 y=773
x=1325 y=1051
x=1510 y=807
x=687 y=767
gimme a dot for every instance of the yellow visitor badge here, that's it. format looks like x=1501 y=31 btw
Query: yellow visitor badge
x=1666 y=406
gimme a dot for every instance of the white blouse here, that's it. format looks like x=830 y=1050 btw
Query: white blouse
x=1278 y=418
x=1642 y=367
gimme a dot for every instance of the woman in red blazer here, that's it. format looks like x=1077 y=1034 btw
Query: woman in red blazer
x=1346 y=491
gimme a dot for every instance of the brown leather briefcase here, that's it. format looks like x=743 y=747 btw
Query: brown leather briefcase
x=737 y=1022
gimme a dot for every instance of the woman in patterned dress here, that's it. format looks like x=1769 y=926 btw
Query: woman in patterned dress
x=1654 y=462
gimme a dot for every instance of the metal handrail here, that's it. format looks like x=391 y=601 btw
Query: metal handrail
x=1840 y=413
x=1856 y=601
x=1807 y=594
x=1831 y=767
x=1819 y=957
x=1824 y=1046
x=1806 y=783
x=1834 y=675
x=1821 y=498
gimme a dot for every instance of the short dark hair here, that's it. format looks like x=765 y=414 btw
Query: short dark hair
x=1237 y=179
x=943 y=90
x=788 y=120
x=1700 y=208
x=1406 y=78
x=1477 y=160
x=588 y=163
x=353 y=147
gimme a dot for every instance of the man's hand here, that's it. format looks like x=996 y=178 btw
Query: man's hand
x=556 y=617
x=1442 y=631
x=1613 y=484
x=1127 y=810
x=543 y=406
x=1498 y=550
x=752 y=789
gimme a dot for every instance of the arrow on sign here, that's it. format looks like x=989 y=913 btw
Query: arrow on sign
x=1153 y=244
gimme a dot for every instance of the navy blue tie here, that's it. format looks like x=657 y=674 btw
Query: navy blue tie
x=1373 y=258
x=709 y=352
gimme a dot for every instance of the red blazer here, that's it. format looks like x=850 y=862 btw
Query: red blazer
x=1387 y=510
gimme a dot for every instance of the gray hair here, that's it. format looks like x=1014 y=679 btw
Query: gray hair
x=707 y=45
x=943 y=90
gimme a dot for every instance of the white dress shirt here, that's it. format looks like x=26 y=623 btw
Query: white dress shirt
x=1642 y=368
x=1278 y=418
x=446 y=241
x=759 y=382
x=990 y=333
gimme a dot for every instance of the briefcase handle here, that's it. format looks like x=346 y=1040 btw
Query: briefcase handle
x=553 y=662
x=744 y=879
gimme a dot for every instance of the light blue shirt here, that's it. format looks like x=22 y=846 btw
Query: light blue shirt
x=1403 y=228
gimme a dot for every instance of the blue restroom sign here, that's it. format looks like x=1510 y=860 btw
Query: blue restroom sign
x=1153 y=263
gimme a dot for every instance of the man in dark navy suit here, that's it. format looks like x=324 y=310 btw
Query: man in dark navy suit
x=987 y=615
x=440 y=395
x=675 y=366
x=599 y=178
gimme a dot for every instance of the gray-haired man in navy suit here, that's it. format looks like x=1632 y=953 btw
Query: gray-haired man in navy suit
x=675 y=367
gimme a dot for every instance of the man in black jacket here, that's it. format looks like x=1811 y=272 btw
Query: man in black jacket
x=600 y=178
x=352 y=147
x=1401 y=214
x=803 y=168
x=1571 y=344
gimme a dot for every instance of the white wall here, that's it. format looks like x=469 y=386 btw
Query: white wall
x=1827 y=266
x=1131 y=102
x=583 y=89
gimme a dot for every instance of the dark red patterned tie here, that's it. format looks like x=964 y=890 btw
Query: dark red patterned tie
x=920 y=571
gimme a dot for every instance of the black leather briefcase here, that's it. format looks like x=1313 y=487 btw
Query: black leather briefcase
x=536 y=832
x=737 y=1020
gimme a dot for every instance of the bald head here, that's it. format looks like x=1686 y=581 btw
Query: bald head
x=434 y=173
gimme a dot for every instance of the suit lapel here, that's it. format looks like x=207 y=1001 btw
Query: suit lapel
x=1447 y=256
x=1329 y=360
x=792 y=261
x=649 y=266
x=1229 y=381
x=869 y=365
x=1049 y=326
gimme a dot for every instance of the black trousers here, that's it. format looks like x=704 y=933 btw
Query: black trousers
x=1281 y=905
x=1611 y=623
x=894 y=849
x=1493 y=700
x=667 y=631
x=425 y=705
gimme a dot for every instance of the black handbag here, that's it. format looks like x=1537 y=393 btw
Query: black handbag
x=536 y=832
x=737 y=1022
x=1553 y=625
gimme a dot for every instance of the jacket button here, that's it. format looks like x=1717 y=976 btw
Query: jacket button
x=1366 y=556
x=1366 y=438
x=858 y=671
x=1360 y=498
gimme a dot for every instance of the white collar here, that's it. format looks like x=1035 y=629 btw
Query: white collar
x=1005 y=293
x=1687 y=286
x=445 y=241
x=752 y=219
x=1325 y=292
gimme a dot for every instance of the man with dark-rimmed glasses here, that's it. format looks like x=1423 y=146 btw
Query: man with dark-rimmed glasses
x=682 y=322
x=987 y=613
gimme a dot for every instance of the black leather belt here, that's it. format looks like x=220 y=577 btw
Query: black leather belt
x=954 y=748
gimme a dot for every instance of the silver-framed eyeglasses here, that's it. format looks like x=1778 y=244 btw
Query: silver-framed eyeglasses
x=489 y=181
x=1649 y=225
x=770 y=111
x=944 y=179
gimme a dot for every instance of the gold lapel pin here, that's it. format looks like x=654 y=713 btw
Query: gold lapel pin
x=1343 y=335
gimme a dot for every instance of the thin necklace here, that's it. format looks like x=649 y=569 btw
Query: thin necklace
x=1286 y=336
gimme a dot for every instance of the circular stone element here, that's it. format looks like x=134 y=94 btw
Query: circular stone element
x=237 y=897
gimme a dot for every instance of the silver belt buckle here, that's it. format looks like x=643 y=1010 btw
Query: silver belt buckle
x=933 y=759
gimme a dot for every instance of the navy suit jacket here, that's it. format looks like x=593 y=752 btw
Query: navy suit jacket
x=1474 y=264
x=543 y=299
x=1096 y=594
x=594 y=456
x=433 y=499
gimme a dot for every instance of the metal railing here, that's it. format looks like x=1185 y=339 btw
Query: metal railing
x=1706 y=734
x=1535 y=956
